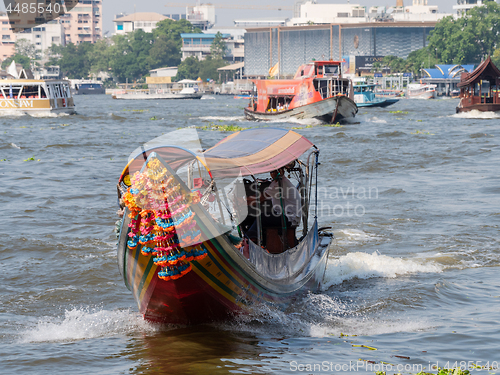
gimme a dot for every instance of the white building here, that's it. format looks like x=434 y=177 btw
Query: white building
x=201 y=15
x=463 y=6
x=43 y=36
x=145 y=21
x=310 y=12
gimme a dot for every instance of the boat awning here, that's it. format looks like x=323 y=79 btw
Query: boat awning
x=255 y=151
x=485 y=70
x=232 y=67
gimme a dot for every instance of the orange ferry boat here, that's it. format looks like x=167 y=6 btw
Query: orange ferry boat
x=480 y=90
x=317 y=90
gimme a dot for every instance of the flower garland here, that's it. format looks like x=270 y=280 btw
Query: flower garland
x=162 y=222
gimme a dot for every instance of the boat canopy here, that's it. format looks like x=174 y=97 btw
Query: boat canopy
x=486 y=70
x=255 y=151
x=247 y=152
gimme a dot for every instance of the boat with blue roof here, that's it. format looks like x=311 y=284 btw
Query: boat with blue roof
x=364 y=96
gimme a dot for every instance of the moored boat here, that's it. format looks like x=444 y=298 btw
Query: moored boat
x=317 y=90
x=184 y=89
x=364 y=96
x=203 y=269
x=479 y=90
x=89 y=88
x=421 y=91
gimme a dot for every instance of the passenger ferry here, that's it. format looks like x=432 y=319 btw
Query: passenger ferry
x=317 y=90
x=421 y=91
x=36 y=96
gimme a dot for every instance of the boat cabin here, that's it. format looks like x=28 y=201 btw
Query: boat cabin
x=312 y=82
x=480 y=89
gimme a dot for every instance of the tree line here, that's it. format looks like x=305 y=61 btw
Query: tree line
x=465 y=40
x=128 y=56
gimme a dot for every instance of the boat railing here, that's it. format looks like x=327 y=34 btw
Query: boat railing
x=335 y=86
x=286 y=266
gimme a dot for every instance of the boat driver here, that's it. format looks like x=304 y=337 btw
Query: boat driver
x=284 y=198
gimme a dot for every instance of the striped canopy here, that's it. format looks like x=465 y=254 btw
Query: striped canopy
x=255 y=151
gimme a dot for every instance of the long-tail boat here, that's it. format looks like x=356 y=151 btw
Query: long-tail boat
x=480 y=89
x=317 y=90
x=182 y=249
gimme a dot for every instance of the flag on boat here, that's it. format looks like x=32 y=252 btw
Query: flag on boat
x=274 y=71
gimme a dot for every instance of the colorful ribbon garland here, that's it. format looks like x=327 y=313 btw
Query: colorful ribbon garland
x=162 y=222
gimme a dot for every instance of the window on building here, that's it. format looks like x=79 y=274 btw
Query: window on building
x=342 y=14
x=56 y=39
x=119 y=27
x=6 y=37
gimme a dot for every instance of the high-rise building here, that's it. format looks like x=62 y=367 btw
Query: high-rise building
x=8 y=38
x=83 y=23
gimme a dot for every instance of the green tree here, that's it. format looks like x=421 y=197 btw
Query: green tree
x=188 y=69
x=469 y=38
x=496 y=57
x=208 y=68
x=26 y=48
x=218 y=48
x=19 y=59
x=164 y=52
x=376 y=67
x=129 y=55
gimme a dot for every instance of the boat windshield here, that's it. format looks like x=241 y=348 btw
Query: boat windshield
x=331 y=69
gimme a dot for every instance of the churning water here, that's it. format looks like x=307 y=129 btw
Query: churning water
x=412 y=193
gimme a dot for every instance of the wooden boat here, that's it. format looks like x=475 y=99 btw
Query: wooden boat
x=479 y=90
x=317 y=90
x=222 y=274
x=184 y=89
x=421 y=91
x=364 y=96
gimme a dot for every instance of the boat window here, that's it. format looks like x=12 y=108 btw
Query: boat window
x=11 y=92
x=331 y=69
x=30 y=92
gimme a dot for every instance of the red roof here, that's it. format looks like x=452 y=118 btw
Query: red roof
x=485 y=70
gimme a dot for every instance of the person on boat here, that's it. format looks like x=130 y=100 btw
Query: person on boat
x=285 y=198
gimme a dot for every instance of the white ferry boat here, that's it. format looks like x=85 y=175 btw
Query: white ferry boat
x=36 y=96
x=184 y=89
x=421 y=91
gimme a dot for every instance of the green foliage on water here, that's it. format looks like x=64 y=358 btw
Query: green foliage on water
x=154 y=118
x=135 y=110
x=221 y=128
x=422 y=132
x=399 y=112
x=441 y=371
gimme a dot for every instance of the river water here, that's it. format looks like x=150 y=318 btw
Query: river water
x=412 y=192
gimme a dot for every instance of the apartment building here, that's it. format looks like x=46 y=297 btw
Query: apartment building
x=83 y=23
x=8 y=38
x=145 y=21
x=44 y=35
